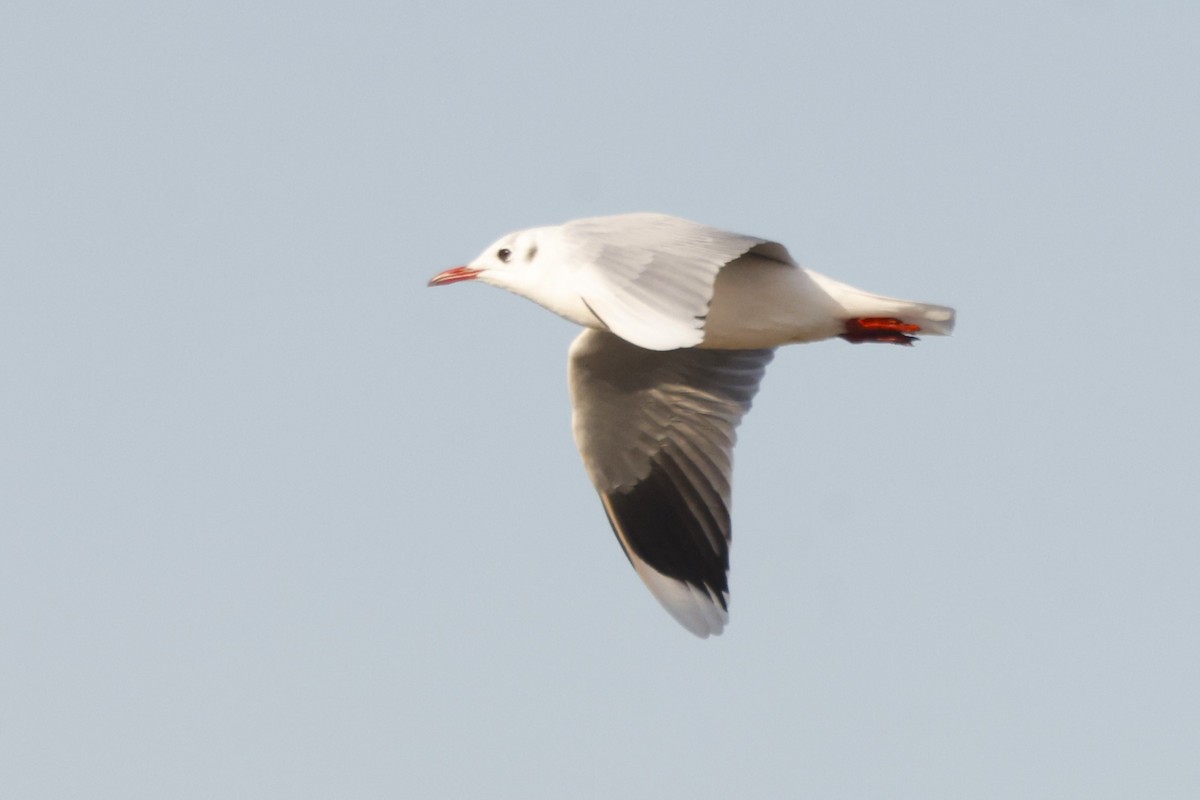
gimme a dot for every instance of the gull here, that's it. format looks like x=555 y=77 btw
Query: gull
x=680 y=321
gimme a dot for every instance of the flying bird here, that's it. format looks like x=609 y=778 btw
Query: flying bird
x=680 y=321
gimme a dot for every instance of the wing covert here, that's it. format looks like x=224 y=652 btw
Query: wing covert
x=650 y=277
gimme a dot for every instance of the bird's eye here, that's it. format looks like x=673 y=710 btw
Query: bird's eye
x=504 y=254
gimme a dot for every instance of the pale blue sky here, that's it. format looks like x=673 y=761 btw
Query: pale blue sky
x=276 y=521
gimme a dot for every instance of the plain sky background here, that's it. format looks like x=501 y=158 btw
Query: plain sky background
x=277 y=521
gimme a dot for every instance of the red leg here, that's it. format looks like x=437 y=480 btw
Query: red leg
x=879 y=329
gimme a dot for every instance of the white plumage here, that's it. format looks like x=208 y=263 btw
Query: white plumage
x=681 y=321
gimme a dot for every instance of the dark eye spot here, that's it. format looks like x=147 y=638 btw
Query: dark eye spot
x=504 y=254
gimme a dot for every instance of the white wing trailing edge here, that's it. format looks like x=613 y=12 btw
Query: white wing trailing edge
x=656 y=431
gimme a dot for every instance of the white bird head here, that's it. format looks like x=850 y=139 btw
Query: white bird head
x=534 y=263
x=514 y=262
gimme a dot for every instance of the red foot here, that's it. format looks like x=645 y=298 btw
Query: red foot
x=879 y=329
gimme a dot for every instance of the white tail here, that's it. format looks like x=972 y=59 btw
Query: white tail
x=931 y=319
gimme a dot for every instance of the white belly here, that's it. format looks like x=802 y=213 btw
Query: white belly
x=758 y=302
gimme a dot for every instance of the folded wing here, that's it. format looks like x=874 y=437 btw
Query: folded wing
x=656 y=431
